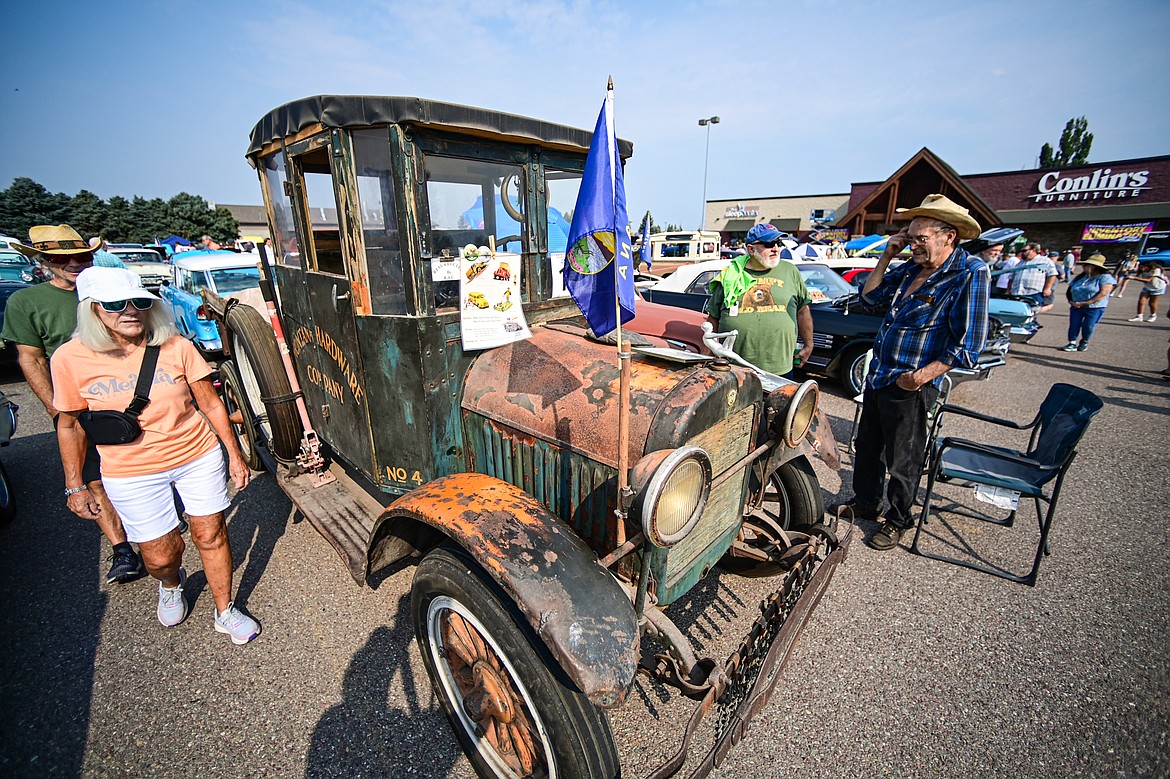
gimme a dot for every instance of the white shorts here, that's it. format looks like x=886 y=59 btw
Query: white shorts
x=147 y=505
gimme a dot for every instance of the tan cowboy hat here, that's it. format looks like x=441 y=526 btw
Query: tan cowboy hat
x=946 y=210
x=52 y=239
x=1097 y=260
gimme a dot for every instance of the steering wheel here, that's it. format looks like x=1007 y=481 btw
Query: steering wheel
x=514 y=179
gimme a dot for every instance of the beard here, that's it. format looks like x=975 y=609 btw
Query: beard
x=768 y=262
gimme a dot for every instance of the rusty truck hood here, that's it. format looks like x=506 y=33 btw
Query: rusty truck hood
x=563 y=389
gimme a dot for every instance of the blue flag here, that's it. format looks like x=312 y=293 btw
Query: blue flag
x=599 y=265
x=646 y=243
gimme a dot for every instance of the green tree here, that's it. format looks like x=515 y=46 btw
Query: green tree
x=191 y=216
x=87 y=214
x=1075 y=142
x=654 y=228
x=26 y=203
x=673 y=228
x=119 y=227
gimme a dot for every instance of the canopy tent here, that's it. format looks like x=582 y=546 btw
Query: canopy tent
x=175 y=240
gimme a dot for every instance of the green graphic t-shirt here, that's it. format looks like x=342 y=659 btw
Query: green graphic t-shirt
x=43 y=316
x=765 y=315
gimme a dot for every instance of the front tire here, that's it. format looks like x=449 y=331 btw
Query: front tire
x=794 y=501
x=7 y=498
x=511 y=707
x=853 y=370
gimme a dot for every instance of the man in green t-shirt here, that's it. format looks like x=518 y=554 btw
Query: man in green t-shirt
x=765 y=299
x=38 y=320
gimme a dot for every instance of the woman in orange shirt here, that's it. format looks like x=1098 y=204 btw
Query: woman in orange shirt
x=118 y=323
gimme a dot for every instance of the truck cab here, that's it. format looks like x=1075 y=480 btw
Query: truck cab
x=495 y=469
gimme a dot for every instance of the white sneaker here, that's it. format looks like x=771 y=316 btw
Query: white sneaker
x=1153 y=317
x=172 y=609
x=1138 y=318
x=236 y=624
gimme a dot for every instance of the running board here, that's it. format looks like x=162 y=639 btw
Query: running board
x=341 y=511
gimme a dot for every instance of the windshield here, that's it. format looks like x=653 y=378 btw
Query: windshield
x=229 y=280
x=823 y=282
x=13 y=259
x=142 y=256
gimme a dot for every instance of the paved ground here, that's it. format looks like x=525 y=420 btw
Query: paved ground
x=911 y=668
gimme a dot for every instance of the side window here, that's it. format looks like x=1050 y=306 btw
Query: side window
x=198 y=281
x=702 y=282
x=562 y=188
x=375 y=181
x=321 y=212
x=287 y=252
x=470 y=202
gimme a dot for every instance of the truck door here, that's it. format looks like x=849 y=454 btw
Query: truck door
x=325 y=341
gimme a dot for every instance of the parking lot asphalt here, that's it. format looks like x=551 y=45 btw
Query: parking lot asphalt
x=909 y=667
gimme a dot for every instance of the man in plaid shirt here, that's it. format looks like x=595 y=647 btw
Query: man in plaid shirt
x=937 y=320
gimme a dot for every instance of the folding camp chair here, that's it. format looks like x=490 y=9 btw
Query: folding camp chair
x=1062 y=420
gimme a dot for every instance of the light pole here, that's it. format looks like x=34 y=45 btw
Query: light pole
x=706 y=156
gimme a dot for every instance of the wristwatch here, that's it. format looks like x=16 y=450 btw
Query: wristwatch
x=74 y=490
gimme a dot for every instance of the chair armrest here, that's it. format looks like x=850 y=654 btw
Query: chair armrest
x=966 y=412
x=974 y=446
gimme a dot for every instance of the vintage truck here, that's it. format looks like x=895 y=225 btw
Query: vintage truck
x=540 y=589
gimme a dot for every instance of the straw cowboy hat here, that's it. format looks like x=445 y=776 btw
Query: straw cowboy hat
x=53 y=240
x=1096 y=260
x=945 y=210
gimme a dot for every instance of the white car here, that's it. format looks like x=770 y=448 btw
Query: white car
x=148 y=264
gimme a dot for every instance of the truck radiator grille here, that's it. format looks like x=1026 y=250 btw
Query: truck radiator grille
x=573 y=487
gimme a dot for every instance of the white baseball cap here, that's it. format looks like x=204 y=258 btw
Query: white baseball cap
x=107 y=285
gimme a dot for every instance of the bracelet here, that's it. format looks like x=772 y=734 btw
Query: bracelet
x=74 y=490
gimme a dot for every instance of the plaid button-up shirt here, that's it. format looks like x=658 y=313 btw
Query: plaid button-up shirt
x=945 y=319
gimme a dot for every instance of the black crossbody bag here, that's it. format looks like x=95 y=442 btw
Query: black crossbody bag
x=121 y=427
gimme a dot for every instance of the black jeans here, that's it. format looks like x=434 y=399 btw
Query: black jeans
x=891 y=439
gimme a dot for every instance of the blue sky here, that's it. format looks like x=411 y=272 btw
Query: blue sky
x=154 y=98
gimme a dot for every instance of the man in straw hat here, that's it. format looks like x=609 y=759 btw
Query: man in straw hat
x=38 y=320
x=937 y=320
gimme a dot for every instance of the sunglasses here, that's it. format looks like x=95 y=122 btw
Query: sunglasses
x=66 y=259
x=118 y=306
x=768 y=244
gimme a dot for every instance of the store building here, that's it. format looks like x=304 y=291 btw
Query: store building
x=797 y=214
x=1105 y=206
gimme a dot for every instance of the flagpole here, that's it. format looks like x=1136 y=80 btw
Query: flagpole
x=623 y=466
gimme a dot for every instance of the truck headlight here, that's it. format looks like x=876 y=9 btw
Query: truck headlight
x=671 y=488
x=791 y=410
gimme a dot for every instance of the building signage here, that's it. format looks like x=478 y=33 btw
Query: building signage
x=739 y=211
x=1128 y=233
x=839 y=234
x=1057 y=186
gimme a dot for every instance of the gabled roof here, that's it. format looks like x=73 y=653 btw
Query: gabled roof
x=951 y=185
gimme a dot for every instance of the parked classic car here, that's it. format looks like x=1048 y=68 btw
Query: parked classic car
x=498 y=469
x=16 y=267
x=150 y=266
x=844 y=329
x=222 y=272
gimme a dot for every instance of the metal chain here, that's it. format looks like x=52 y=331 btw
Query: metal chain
x=776 y=610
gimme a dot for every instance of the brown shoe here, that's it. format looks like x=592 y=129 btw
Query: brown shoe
x=887 y=537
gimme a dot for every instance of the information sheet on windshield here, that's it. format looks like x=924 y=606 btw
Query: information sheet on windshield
x=489 y=294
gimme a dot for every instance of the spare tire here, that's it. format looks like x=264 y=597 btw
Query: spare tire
x=240 y=414
x=265 y=384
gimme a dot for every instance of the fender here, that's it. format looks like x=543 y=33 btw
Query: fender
x=575 y=606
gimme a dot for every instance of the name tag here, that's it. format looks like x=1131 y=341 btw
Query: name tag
x=734 y=310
